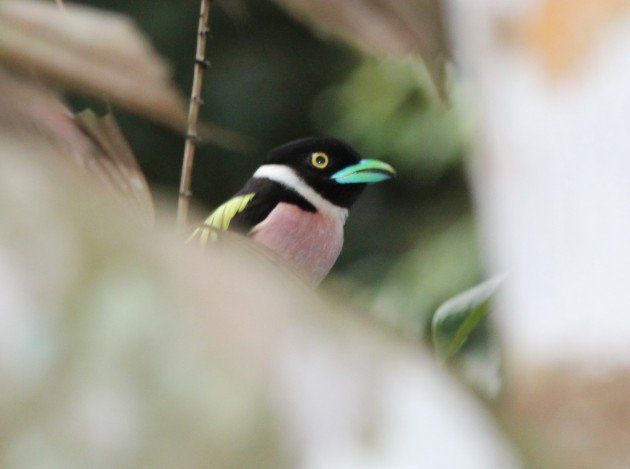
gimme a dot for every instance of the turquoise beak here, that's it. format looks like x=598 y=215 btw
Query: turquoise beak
x=364 y=172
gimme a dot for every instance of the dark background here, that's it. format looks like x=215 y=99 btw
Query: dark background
x=410 y=242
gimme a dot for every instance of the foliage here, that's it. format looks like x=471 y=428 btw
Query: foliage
x=400 y=28
x=458 y=317
x=387 y=107
x=441 y=264
x=113 y=61
x=120 y=346
x=464 y=338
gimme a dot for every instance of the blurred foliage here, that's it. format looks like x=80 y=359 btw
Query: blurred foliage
x=463 y=337
x=388 y=107
x=113 y=61
x=274 y=80
x=382 y=28
x=120 y=346
x=456 y=319
x=441 y=264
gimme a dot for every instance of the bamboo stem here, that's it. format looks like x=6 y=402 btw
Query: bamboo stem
x=201 y=64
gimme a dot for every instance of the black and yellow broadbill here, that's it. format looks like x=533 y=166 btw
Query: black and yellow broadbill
x=297 y=202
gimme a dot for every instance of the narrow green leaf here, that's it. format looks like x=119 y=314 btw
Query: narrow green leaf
x=454 y=321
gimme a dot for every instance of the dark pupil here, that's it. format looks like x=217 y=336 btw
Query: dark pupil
x=320 y=160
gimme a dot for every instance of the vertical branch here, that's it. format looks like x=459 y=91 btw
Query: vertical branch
x=193 y=114
x=60 y=5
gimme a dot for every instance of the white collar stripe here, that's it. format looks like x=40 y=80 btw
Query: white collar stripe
x=287 y=177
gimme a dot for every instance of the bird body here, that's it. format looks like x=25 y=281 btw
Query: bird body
x=297 y=202
x=310 y=242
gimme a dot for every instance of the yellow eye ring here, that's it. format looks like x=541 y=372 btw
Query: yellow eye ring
x=319 y=160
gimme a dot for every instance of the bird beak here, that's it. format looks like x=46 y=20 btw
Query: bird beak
x=364 y=172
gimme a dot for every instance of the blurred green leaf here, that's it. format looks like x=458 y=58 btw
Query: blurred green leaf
x=458 y=317
x=443 y=262
x=386 y=107
x=478 y=362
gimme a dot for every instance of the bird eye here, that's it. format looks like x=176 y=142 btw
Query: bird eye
x=319 y=160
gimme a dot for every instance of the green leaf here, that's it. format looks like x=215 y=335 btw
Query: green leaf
x=454 y=321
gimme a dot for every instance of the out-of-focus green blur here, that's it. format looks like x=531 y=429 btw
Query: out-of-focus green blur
x=409 y=243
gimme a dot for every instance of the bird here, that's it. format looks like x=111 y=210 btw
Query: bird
x=296 y=203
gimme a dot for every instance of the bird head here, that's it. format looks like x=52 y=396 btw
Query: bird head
x=332 y=168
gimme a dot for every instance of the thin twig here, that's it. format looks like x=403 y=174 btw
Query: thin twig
x=193 y=114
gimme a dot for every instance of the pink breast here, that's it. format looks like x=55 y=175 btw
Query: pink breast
x=310 y=242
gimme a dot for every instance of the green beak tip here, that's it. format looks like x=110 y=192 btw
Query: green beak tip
x=365 y=172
